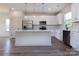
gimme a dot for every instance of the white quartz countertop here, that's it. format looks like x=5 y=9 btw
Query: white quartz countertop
x=32 y=30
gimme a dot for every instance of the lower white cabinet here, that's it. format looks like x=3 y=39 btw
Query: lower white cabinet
x=75 y=40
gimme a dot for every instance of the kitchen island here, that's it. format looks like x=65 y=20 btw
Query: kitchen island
x=33 y=38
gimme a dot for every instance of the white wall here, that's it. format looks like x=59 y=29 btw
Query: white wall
x=75 y=27
x=75 y=16
x=3 y=17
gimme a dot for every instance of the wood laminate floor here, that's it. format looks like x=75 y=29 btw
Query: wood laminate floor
x=7 y=48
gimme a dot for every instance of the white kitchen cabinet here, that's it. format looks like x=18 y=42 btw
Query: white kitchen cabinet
x=58 y=34
x=75 y=12
x=75 y=40
x=60 y=18
x=51 y=20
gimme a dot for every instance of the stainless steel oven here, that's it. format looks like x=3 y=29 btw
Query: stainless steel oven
x=42 y=25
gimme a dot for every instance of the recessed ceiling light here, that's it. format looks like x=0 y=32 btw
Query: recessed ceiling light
x=34 y=16
x=12 y=8
x=25 y=16
x=42 y=16
x=49 y=8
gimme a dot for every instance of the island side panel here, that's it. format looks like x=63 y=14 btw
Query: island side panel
x=33 y=38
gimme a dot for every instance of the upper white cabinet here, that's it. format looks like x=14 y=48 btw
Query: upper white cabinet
x=75 y=12
x=60 y=18
x=51 y=20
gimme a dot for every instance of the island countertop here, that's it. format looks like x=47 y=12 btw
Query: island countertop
x=32 y=30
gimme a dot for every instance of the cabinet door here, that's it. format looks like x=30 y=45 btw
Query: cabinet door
x=60 y=18
x=51 y=20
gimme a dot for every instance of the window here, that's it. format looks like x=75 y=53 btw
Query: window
x=7 y=24
x=68 y=20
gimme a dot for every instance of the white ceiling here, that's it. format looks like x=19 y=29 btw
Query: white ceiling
x=36 y=7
